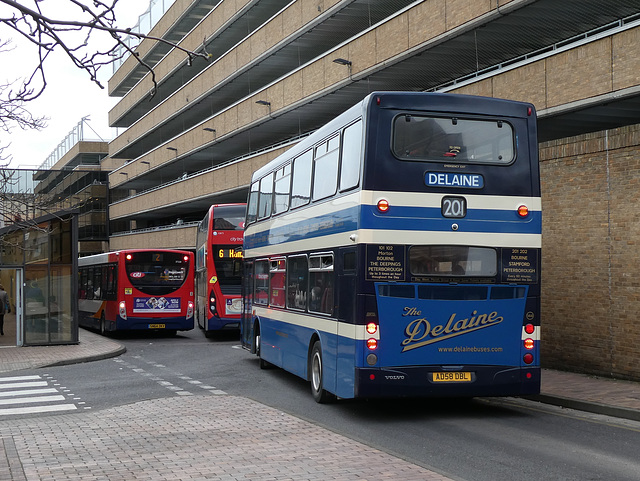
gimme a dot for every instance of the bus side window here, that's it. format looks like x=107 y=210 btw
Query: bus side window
x=297 y=282
x=301 y=181
x=265 y=203
x=82 y=283
x=325 y=170
x=261 y=287
x=252 y=206
x=111 y=293
x=277 y=282
x=321 y=282
x=282 y=189
x=351 y=154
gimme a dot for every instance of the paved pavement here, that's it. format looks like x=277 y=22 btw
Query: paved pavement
x=134 y=442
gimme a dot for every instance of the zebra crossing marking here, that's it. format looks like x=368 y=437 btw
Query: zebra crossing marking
x=20 y=394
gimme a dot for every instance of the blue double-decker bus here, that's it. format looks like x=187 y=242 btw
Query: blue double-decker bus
x=396 y=251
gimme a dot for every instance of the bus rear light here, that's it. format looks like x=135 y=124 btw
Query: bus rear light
x=528 y=358
x=372 y=359
x=185 y=258
x=212 y=304
x=529 y=328
x=129 y=257
x=383 y=205
x=122 y=310
x=189 y=309
x=372 y=344
x=528 y=343
x=523 y=211
x=372 y=328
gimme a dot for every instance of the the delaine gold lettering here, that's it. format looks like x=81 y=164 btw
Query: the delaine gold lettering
x=411 y=311
x=420 y=333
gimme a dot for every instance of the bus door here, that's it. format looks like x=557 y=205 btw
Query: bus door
x=246 y=323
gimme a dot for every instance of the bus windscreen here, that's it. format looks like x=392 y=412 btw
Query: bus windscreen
x=156 y=273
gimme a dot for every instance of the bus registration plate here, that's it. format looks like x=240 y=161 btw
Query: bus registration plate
x=156 y=326
x=451 y=376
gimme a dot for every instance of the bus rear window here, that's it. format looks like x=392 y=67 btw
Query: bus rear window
x=453 y=261
x=422 y=138
x=156 y=273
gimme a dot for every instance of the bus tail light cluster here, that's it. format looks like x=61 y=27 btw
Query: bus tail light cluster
x=529 y=344
x=372 y=343
x=212 y=303
x=122 y=310
x=189 y=309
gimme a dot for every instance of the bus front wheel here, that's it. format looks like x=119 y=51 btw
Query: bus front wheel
x=317 y=375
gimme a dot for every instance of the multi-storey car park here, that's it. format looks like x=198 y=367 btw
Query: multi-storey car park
x=280 y=69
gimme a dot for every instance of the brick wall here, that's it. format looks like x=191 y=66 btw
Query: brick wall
x=591 y=253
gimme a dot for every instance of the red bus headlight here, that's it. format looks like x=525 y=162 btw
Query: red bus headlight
x=122 y=310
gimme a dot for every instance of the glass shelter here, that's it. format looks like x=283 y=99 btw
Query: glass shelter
x=38 y=262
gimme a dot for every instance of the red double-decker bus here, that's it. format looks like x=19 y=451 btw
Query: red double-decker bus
x=137 y=289
x=219 y=268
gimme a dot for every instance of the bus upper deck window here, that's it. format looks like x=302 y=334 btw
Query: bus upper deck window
x=423 y=138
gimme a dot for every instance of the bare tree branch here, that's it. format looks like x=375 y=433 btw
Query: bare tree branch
x=85 y=30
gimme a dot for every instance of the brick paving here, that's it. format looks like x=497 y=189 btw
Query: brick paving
x=206 y=437
x=223 y=437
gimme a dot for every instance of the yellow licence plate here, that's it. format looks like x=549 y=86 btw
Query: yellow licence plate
x=451 y=376
x=156 y=326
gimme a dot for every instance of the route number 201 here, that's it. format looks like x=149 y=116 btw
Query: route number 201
x=454 y=207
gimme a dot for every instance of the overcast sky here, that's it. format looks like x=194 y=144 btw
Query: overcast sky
x=70 y=95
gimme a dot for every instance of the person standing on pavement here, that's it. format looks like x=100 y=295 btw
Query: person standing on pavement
x=4 y=303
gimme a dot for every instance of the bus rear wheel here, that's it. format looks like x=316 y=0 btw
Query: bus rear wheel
x=316 y=375
x=261 y=362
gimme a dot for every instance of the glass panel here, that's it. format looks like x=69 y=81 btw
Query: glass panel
x=462 y=140
x=230 y=217
x=406 y=291
x=252 y=205
x=37 y=244
x=261 y=294
x=60 y=309
x=228 y=263
x=12 y=251
x=351 y=154
x=460 y=261
x=301 y=184
x=325 y=171
x=266 y=197
x=157 y=273
x=36 y=324
x=297 y=282
x=453 y=293
x=277 y=283
x=508 y=292
x=282 y=187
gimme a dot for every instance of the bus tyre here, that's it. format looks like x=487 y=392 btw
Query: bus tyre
x=317 y=375
x=261 y=362
x=103 y=324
